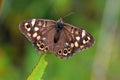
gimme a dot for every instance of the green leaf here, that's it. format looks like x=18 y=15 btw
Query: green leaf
x=39 y=69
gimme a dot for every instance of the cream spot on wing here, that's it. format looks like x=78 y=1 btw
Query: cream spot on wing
x=72 y=45
x=76 y=32
x=46 y=48
x=83 y=33
x=43 y=38
x=38 y=37
x=65 y=54
x=34 y=35
x=33 y=22
x=44 y=24
x=72 y=31
x=76 y=44
x=77 y=38
x=36 y=28
x=27 y=27
x=65 y=51
x=40 y=23
x=38 y=43
x=81 y=47
x=60 y=52
x=28 y=34
x=84 y=42
x=66 y=44
x=69 y=50
x=42 y=46
x=88 y=38
x=26 y=24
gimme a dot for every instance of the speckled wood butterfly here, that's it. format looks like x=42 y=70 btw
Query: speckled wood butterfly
x=57 y=37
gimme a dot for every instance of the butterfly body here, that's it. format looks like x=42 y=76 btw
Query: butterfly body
x=58 y=37
x=59 y=27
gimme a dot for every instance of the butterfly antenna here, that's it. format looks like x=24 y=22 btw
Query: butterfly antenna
x=68 y=15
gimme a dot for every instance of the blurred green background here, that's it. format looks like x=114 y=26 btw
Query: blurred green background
x=101 y=18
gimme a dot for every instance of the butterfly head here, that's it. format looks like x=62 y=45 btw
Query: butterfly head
x=60 y=20
x=59 y=25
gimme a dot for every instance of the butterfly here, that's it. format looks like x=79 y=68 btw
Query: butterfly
x=57 y=37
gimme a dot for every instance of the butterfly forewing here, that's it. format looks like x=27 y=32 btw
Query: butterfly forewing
x=38 y=31
x=79 y=37
x=58 y=37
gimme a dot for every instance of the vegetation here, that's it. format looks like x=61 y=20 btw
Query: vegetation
x=101 y=18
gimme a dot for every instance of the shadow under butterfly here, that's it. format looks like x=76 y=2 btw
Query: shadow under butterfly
x=57 y=37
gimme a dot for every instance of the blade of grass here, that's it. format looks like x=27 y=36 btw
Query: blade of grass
x=106 y=41
x=39 y=69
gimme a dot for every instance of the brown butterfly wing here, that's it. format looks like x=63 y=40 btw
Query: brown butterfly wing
x=72 y=39
x=80 y=36
x=40 y=32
